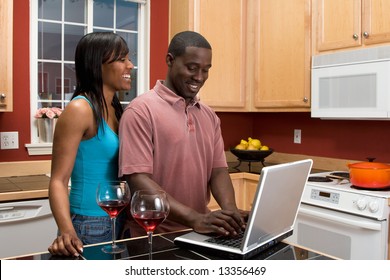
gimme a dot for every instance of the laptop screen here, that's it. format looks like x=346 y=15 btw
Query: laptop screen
x=276 y=201
x=272 y=217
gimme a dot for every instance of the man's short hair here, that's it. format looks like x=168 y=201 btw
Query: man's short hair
x=185 y=39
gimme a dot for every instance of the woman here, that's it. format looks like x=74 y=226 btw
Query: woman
x=86 y=143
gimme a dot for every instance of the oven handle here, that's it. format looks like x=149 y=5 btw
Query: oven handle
x=334 y=218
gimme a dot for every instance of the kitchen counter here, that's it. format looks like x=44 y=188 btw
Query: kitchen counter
x=34 y=171
x=165 y=249
x=255 y=167
x=17 y=188
x=23 y=187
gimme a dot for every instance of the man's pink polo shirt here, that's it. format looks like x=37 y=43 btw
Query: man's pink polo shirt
x=178 y=145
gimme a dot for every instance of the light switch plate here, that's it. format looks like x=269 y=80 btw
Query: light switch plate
x=9 y=140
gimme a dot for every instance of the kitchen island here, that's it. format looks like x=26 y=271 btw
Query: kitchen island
x=165 y=249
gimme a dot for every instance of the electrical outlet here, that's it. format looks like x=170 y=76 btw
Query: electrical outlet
x=297 y=136
x=9 y=140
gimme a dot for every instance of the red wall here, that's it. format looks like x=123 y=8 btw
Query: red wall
x=158 y=39
x=354 y=140
x=337 y=139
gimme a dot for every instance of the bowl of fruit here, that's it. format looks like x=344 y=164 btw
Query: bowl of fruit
x=251 y=150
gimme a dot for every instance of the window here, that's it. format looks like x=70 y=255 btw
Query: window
x=56 y=28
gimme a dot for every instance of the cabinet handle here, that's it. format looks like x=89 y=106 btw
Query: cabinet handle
x=355 y=36
x=305 y=99
x=366 y=35
x=3 y=96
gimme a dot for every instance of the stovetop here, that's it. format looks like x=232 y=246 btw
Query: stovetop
x=343 y=185
x=340 y=195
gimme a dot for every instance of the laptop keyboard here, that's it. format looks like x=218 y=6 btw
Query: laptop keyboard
x=231 y=241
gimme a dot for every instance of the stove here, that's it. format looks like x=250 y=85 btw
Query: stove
x=341 y=220
x=325 y=190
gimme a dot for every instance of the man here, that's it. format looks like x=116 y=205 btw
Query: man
x=171 y=141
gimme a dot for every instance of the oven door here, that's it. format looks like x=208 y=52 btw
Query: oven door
x=339 y=234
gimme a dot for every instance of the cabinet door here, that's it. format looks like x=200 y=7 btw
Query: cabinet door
x=213 y=205
x=376 y=21
x=239 y=192
x=6 y=10
x=250 y=191
x=338 y=24
x=223 y=23
x=282 y=69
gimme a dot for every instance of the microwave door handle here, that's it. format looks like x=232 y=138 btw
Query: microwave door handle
x=352 y=222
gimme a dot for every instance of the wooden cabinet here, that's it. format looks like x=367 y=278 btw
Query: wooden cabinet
x=261 y=52
x=238 y=184
x=250 y=191
x=223 y=23
x=6 y=23
x=245 y=185
x=213 y=205
x=350 y=24
x=282 y=57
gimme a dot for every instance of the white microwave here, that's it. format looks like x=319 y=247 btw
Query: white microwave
x=351 y=84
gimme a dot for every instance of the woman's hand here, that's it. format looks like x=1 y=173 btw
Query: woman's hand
x=66 y=245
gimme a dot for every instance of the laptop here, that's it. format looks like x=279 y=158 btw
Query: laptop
x=272 y=217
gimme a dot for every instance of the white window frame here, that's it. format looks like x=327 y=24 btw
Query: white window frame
x=36 y=148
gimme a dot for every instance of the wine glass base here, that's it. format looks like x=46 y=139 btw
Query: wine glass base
x=109 y=249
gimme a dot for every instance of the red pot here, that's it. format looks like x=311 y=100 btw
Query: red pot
x=373 y=175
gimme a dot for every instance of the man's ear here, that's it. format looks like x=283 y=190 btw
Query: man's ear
x=169 y=59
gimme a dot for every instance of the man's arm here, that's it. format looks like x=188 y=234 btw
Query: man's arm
x=224 y=222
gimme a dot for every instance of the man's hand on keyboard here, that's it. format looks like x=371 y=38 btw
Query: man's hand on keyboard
x=222 y=222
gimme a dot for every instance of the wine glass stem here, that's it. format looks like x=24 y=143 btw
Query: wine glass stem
x=150 y=238
x=113 y=220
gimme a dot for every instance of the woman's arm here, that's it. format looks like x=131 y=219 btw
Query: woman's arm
x=75 y=124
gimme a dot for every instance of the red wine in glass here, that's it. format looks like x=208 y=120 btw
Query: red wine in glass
x=149 y=208
x=113 y=197
x=113 y=207
x=149 y=220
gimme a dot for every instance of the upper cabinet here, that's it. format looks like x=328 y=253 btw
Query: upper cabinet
x=6 y=10
x=282 y=54
x=223 y=23
x=261 y=61
x=348 y=24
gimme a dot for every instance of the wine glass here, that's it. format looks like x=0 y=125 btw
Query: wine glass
x=149 y=209
x=113 y=197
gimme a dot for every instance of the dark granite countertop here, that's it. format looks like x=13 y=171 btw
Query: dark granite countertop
x=165 y=249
